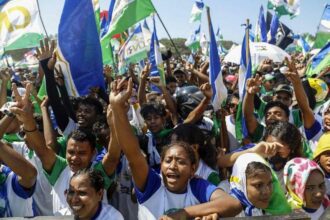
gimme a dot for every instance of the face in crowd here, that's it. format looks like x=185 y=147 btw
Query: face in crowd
x=178 y=166
x=85 y=194
x=259 y=185
x=315 y=190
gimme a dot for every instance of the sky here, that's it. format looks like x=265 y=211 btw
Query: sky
x=226 y=14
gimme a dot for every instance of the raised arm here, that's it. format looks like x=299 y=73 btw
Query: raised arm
x=252 y=87
x=5 y=77
x=24 y=113
x=142 y=86
x=26 y=172
x=126 y=138
x=302 y=100
x=112 y=157
x=49 y=133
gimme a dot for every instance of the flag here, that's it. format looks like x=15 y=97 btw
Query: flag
x=219 y=91
x=285 y=7
x=219 y=37
x=323 y=32
x=19 y=24
x=283 y=35
x=245 y=72
x=193 y=41
x=135 y=48
x=302 y=44
x=204 y=44
x=103 y=26
x=196 y=12
x=122 y=15
x=126 y=13
x=261 y=30
x=271 y=36
x=155 y=58
x=319 y=62
x=79 y=51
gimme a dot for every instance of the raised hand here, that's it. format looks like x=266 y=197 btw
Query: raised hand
x=107 y=70
x=206 y=90
x=146 y=71
x=266 y=149
x=156 y=81
x=292 y=75
x=119 y=96
x=253 y=84
x=47 y=51
x=5 y=74
x=45 y=102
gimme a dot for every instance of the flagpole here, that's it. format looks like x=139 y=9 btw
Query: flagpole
x=168 y=34
x=42 y=22
x=247 y=37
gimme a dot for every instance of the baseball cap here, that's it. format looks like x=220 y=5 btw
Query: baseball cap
x=284 y=88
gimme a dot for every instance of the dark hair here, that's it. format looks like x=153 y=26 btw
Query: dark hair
x=254 y=168
x=189 y=150
x=90 y=101
x=83 y=135
x=192 y=134
x=170 y=79
x=153 y=108
x=279 y=104
x=287 y=133
x=95 y=177
x=101 y=123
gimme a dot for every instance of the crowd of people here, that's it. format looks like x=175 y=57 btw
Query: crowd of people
x=142 y=149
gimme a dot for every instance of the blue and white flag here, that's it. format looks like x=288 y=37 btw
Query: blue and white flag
x=261 y=29
x=302 y=43
x=193 y=41
x=271 y=36
x=79 y=51
x=245 y=72
x=103 y=26
x=219 y=91
x=155 y=58
x=196 y=12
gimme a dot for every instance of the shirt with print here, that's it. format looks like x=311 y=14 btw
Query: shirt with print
x=156 y=200
x=207 y=173
x=60 y=177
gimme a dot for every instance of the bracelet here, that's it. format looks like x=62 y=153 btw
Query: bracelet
x=27 y=131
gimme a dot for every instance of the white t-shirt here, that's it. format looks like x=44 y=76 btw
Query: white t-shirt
x=156 y=200
x=105 y=212
x=317 y=214
x=14 y=200
x=41 y=196
x=230 y=125
x=60 y=177
x=207 y=173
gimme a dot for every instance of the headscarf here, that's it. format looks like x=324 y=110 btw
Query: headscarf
x=277 y=205
x=296 y=173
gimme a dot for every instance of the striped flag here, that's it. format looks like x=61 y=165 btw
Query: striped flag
x=323 y=32
x=193 y=41
x=245 y=72
x=196 y=12
x=219 y=91
x=271 y=36
x=261 y=29
x=155 y=58
x=79 y=51
x=319 y=62
x=302 y=43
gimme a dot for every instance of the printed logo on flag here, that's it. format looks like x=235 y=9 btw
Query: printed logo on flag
x=10 y=16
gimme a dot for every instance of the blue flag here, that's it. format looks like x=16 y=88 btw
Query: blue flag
x=245 y=72
x=273 y=30
x=79 y=47
x=261 y=29
x=219 y=91
x=104 y=26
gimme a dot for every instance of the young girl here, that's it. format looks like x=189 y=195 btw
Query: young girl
x=84 y=197
x=305 y=184
x=257 y=187
x=174 y=192
x=205 y=154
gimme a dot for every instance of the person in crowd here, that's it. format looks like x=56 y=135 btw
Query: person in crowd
x=205 y=153
x=305 y=184
x=84 y=196
x=322 y=157
x=173 y=191
x=256 y=186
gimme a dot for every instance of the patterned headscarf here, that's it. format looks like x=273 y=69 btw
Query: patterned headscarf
x=296 y=173
x=278 y=204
